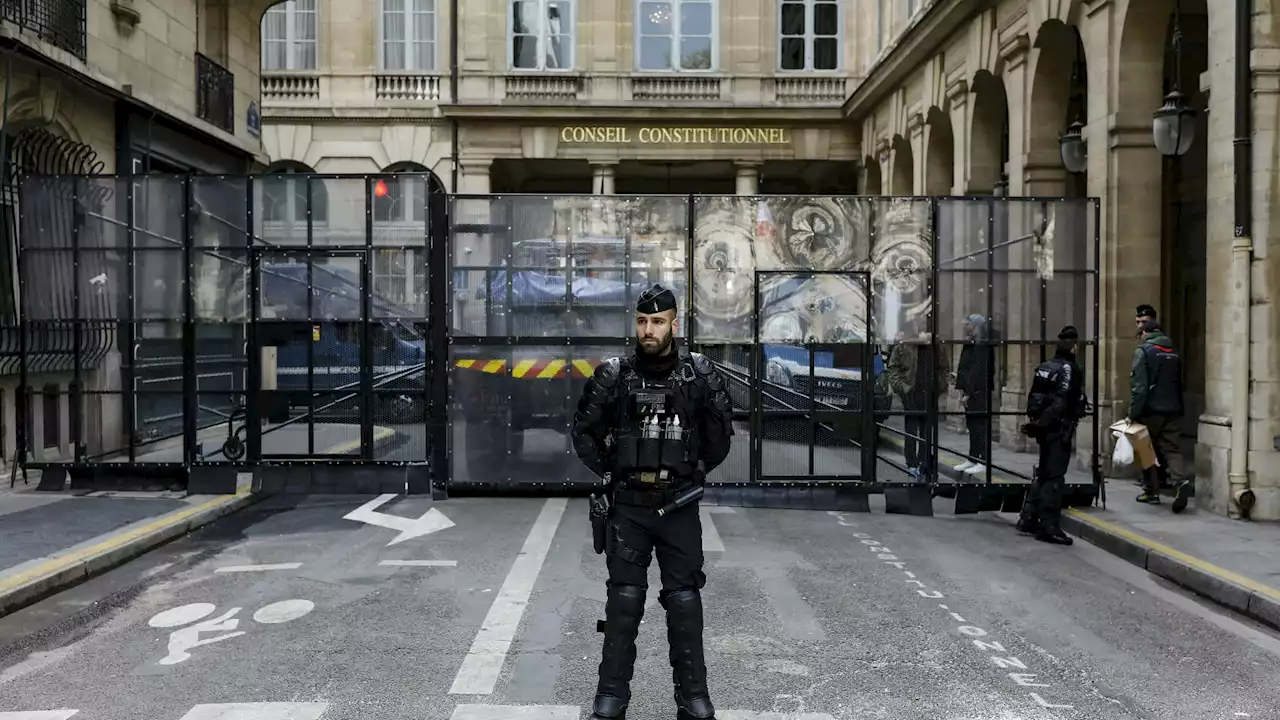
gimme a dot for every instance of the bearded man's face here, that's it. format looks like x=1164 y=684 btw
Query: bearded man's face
x=654 y=331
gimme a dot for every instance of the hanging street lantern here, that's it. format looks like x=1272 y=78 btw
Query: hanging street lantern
x=1074 y=151
x=1174 y=126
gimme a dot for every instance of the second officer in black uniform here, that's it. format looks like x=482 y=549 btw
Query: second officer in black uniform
x=655 y=423
x=1055 y=404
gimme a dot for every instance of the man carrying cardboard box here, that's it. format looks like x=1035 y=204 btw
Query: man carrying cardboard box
x=1155 y=384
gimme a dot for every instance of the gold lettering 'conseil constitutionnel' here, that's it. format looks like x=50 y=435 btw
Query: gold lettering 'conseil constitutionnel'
x=626 y=135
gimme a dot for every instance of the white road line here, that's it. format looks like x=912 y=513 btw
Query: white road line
x=483 y=664
x=754 y=715
x=515 y=712
x=258 y=711
x=722 y=510
x=572 y=712
x=419 y=563
x=711 y=541
x=258 y=568
x=47 y=715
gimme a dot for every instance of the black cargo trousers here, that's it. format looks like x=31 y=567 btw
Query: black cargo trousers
x=635 y=534
x=1042 y=511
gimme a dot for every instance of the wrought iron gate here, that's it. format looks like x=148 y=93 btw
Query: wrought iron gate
x=372 y=334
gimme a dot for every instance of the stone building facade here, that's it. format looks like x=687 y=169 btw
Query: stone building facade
x=967 y=97
x=110 y=86
x=892 y=97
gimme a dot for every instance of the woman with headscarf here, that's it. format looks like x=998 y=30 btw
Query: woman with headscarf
x=975 y=379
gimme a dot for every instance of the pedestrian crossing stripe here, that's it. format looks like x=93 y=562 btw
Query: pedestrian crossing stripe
x=532 y=369
x=258 y=711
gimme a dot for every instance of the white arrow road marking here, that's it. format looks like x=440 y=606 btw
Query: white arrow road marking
x=258 y=711
x=431 y=521
x=49 y=715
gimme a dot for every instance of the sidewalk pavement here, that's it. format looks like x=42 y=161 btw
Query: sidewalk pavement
x=51 y=540
x=1234 y=563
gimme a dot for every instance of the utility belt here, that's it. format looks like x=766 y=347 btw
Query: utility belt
x=648 y=488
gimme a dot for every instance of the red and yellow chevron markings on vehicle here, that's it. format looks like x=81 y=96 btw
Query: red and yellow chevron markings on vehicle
x=533 y=369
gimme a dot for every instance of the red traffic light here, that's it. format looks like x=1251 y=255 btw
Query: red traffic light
x=380 y=189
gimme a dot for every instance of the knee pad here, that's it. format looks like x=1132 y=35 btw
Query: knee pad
x=684 y=601
x=625 y=604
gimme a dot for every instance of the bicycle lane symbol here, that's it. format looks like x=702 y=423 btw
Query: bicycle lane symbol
x=184 y=639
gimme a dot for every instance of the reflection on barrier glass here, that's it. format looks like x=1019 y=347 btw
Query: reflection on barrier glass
x=563 y=266
x=204 y=316
x=185 y=309
x=513 y=410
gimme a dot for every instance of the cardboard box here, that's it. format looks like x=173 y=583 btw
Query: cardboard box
x=1144 y=453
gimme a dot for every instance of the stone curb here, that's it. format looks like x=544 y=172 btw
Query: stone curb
x=24 y=587
x=1255 y=602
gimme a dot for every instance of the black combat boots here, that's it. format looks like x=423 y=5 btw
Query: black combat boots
x=688 y=665
x=624 y=607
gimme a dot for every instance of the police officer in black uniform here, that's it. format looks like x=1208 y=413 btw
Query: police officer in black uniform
x=1055 y=404
x=653 y=424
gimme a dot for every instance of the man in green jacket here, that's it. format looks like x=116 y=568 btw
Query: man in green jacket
x=1155 y=386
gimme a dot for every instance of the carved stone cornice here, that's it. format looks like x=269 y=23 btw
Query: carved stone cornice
x=883 y=146
x=915 y=123
x=1014 y=50
x=1093 y=7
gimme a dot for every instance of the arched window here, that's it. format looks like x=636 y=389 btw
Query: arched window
x=284 y=198
x=400 y=194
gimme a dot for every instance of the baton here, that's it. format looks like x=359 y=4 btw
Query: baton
x=680 y=501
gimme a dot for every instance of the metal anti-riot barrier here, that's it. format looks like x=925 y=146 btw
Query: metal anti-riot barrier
x=373 y=334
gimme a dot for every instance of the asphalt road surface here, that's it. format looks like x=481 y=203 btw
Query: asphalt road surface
x=292 y=611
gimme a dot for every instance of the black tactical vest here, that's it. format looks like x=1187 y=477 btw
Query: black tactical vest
x=1164 y=380
x=655 y=439
x=1044 y=387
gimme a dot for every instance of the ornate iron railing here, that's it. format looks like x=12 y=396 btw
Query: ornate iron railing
x=215 y=93
x=60 y=23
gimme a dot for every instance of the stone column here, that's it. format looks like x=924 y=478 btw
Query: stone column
x=474 y=175
x=1014 y=53
x=919 y=152
x=957 y=102
x=748 y=178
x=602 y=174
x=884 y=154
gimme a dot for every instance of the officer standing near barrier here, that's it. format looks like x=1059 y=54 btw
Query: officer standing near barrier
x=653 y=424
x=1055 y=404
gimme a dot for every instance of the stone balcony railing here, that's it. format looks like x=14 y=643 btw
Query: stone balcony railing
x=281 y=87
x=297 y=90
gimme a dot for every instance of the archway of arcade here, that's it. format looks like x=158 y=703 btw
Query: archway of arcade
x=1007 y=141
x=1163 y=246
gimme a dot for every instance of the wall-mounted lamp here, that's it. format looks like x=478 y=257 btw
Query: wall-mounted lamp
x=1173 y=126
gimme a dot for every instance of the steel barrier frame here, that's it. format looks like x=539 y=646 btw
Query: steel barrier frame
x=434 y=472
